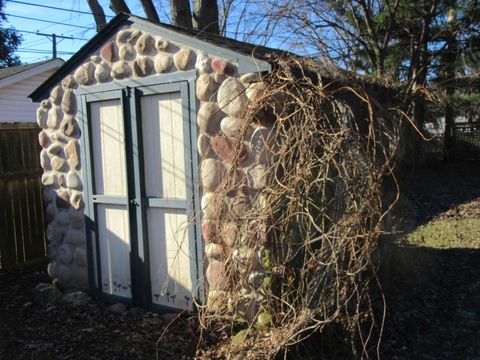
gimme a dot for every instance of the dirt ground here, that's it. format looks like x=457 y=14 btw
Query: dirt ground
x=432 y=289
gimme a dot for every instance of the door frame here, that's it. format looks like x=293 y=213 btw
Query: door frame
x=130 y=100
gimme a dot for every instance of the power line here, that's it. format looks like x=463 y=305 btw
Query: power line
x=49 y=21
x=38 y=33
x=37 y=51
x=57 y=8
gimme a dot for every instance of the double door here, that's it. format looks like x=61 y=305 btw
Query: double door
x=140 y=232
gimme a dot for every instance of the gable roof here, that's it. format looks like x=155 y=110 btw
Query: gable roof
x=17 y=73
x=250 y=57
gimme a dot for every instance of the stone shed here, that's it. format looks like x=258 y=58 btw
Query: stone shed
x=137 y=130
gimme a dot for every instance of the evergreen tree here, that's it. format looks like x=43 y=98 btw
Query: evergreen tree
x=9 y=42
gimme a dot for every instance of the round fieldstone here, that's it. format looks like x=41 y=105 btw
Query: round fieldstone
x=232 y=98
x=72 y=154
x=163 y=63
x=260 y=142
x=255 y=91
x=223 y=67
x=42 y=116
x=108 y=52
x=124 y=35
x=121 y=70
x=210 y=232
x=52 y=270
x=44 y=139
x=212 y=206
x=76 y=199
x=45 y=160
x=51 y=251
x=205 y=87
x=231 y=126
x=69 y=82
x=54 y=233
x=73 y=181
x=95 y=59
x=84 y=74
x=80 y=257
x=216 y=275
x=74 y=237
x=69 y=102
x=184 y=59
x=216 y=300
x=49 y=179
x=62 y=199
x=250 y=78
x=65 y=254
x=56 y=95
x=54 y=117
x=226 y=150
x=77 y=219
x=202 y=63
x=143 y=66
x=239 y=205
x=209 y=117
x=212 y=173
x=145 y=44
x=126 y=52
x=102 y=72
x=257 y=177
x=69 y=126
x=229 y=234
x=55 y=148
x=162 y=44
x=214 y=251
x=58 y=164
x=203 y=144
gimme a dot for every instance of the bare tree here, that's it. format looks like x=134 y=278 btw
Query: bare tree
x=149 y=10
x=118 y=6
x=181 y=13
x=98 y=14
x=205 y=16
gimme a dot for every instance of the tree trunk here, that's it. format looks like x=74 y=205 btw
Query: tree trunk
x=98 y=14
x=181 y=13
x=149 y=10
x=118 y=6
x=205 y=16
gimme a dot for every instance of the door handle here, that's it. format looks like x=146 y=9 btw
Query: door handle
x=134 y=202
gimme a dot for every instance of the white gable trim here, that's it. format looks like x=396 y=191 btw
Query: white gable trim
x=31 y=72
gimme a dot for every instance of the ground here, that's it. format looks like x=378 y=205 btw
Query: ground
x=430 y=276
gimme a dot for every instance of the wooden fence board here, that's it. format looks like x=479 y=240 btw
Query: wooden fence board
x=22 y=226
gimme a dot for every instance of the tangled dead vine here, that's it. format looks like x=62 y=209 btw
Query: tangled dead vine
x=317 y=221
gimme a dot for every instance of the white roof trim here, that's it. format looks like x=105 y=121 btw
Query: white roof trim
x=56 y=63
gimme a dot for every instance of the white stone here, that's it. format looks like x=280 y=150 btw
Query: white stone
x=42 y=116
x=250 y=78
x=49 y=179
x=69 y=102
x=232 y=98
x=55 y=148
x=145 y=44
x=202 y=64
x=102 y=72
x=205 y=87
x=231 y=126
x=209 y=117
x=257 y=177
x=126 y=52
x=73 y=181
x=56 y=95
x=184 y=59
x=45 y=160
x=255 y=91
x=121 y=70
x=163 y=63
x=54 y=117
x=203 y=144
x=212 y=172
x=84 y=74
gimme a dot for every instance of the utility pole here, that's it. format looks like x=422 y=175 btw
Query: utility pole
x=54 y=46
x=54 y=38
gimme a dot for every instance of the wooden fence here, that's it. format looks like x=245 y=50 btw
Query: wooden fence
x=22 y=227
x=467 y=141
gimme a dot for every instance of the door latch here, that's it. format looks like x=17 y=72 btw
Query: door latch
x=134 y=202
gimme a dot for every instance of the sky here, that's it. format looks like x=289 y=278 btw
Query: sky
x=40 y=19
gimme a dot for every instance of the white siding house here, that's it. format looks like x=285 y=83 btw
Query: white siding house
x=16 y=83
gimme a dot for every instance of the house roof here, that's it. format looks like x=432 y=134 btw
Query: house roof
x=250 y=57
x=13 y=74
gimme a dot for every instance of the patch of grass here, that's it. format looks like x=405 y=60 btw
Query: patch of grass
x=444 y=234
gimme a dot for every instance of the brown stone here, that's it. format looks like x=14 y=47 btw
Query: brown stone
x=69 y=126
x=210 y=232
x=216 y=276
x=121 y=70
x=69 y=102
x=143 y=66
x=209 y=117
x=239 y=205
x=62 y=199
x=226 y=150
x=58 y=164
x=56 y=95
x=232 y=98
x=145 y=44
x=163 y=63
x=211 y=174
x=184 y=59
x=44 y=139
x=206 y=87
x=223 y=67
x=71 y=152
x=69 y=82
x=84 y=74
x=54 y=117
x=102 y=72
x=108 y=52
